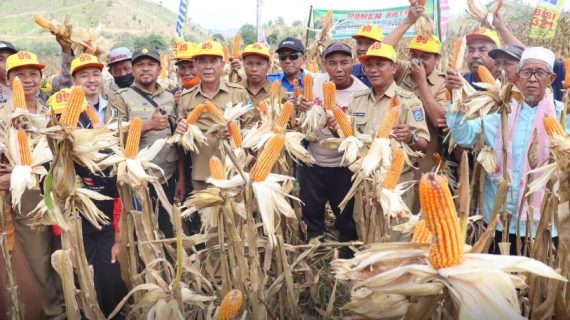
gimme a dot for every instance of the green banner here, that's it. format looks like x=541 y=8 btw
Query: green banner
x=346 y=22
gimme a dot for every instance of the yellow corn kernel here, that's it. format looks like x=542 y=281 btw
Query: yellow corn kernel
x=296 y=88
x=42 y=22
x=308 y=87
x=421 y=233
x=18 y=95
x=235 y=133
x=195 y=114
x=93 y=117
x=267 y=158
x=553 y=127
x=235 y=48
x=226 y=55
x=283 y=118
x=342 y=122
x=485 y=75
x=231 y=304
x=213 y=110
x=276 y=89
x=217 y=168
x=329 y=95
x=133 y=138
x=24 y=146
x=393 y=175
x=441 y=220
x=567 y=75
x=389 y=121
x=73 y=107
x=455 y=57
x=262 y=107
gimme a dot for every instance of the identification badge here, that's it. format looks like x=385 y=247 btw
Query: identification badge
x=418 y=114
x=359 y=114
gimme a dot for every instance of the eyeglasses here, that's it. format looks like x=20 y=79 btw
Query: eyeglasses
x=539 y=74
x=292 y=56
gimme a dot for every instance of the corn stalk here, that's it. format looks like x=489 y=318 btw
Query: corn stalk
x=15 y=311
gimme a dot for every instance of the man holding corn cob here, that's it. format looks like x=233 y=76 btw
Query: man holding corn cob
x=86 y=71
x=527 y=147
x=329 y=180
x=147 y=100
x=368 y=108
x=210 y=65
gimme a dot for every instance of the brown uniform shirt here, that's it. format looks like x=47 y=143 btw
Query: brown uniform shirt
x=227 y=92
x=436 y=83
x=129 y=104
x=109 y=89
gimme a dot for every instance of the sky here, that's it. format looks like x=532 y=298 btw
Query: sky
x=231 y=14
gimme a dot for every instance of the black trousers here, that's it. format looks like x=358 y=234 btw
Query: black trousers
x=109 y=286
x=319 y=185
x=494 y=248
x=164 y=223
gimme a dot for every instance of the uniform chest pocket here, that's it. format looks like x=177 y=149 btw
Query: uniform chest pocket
x=359 y=121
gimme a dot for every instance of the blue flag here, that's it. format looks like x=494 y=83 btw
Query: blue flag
x=181 y=17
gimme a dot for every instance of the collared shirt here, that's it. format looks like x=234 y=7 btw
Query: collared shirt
x=101 y=108
x=358 y=72
x=471 y=79
x=227 y=93
x=285 y=83
x=436 y=83
x=129 y=104
x=326 y=157
x=263 y=93
x=466 y=134
x=110 y=88
x=5 y=94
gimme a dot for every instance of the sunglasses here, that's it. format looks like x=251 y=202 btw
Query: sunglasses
x=292 y=56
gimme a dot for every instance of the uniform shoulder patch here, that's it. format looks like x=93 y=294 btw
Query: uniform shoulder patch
x=404 y=93
x=418 y=112
x=361 y=93
x=187 y=91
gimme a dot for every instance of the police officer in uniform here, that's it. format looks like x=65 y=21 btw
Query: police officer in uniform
x=209 y=61
x=369 y=107
x=155 y=106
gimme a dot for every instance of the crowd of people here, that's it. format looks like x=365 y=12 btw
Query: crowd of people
x=364 y=91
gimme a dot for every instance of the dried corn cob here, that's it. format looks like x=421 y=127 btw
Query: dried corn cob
x=24 y=145
x=235 y=133
x=421 y=233
x=93 y=117
x=276 y=89
x=567 y=76
x=393 y=176
x=485 y=75
x=267 y=158
x=329 y=94
x=441 y=219
x=226 y=55
x=342 y=122
x=196 y=113
x=455 y=58
x=389 y=121
x=553 y=127
x=308 y=87
x=236 y=45
x=230 y=305
x=296 y=88
x=18 y=95
x=395 y=101
x=133 y=138
x=42 y=22
x=213 y=110
x=438 y=161
x=447 y=94
x=217 y=168
x=73 y=107
x=283 y=118
x=262 y=107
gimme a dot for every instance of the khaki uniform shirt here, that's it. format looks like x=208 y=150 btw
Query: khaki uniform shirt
x=227 y=92
x=110 y=88
x=436 y=83
x=129 y=104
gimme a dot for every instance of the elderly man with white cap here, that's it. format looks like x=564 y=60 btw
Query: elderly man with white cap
x=528 y=144
x=121 y=68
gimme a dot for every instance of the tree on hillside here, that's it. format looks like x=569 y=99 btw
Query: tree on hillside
x=154 y=40
x=248 y=33
x=218 y=37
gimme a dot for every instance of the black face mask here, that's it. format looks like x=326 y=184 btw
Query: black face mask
x=125 y=81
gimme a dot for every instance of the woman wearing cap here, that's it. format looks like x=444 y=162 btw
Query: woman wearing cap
x=86 y=71
x=528 y=143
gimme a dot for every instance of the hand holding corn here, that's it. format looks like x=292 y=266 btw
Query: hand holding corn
x=453 y=80
x=304 y=104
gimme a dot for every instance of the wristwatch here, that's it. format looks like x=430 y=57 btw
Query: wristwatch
x=415 y=139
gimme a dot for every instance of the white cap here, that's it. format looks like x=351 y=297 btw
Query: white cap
x=120 y=54
x=539 y=53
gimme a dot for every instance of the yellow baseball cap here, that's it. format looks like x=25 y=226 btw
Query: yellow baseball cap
x=185 y=51
x=421 y=43
x=257 y=49
x=484 y=34
x=380 y=50
x=210 y=48
x=369 y=31
x=58 y=100
x=22 y=59
x=83 y=61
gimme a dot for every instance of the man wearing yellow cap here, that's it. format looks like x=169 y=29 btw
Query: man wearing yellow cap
x=369 y=107
x=38 y=244
x=209 y=61
x=86 y=71
x=185 y=68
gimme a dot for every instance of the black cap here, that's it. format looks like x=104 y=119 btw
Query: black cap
x=513 y=50
x=291 y=43
x=5 y=45
x=146 y=52
x=338 y=47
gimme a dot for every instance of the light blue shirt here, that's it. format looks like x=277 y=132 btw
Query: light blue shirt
x=284 y=82
x=102 y=108
x=466 y=134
